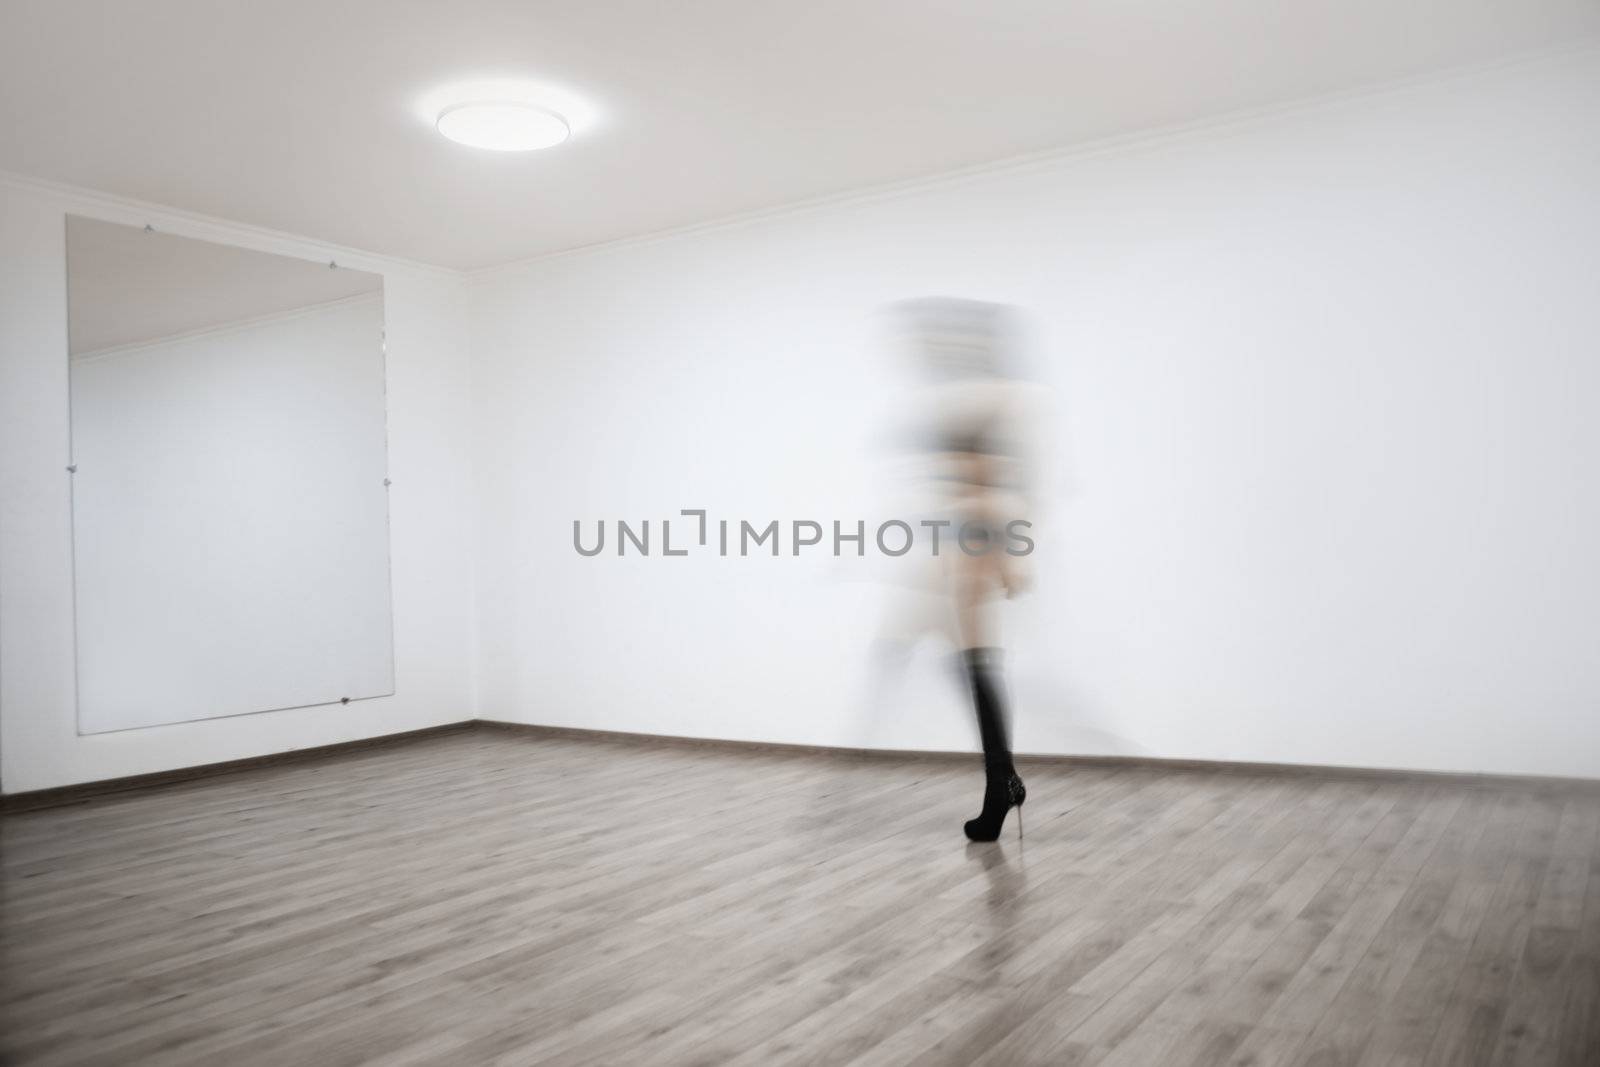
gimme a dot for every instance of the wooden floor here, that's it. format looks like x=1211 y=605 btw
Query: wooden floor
x=489 y=898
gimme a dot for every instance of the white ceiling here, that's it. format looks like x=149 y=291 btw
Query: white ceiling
x=303 y=115
x=125 y=286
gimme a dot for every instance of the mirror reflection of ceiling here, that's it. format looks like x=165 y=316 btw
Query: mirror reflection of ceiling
x=128 y=286
x=309 y=117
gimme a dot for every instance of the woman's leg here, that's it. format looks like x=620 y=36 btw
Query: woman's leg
x=983 y=670
x=975 y=585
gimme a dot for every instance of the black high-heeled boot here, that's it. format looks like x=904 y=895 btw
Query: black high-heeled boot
x=1003 y=792
x=1003 y=789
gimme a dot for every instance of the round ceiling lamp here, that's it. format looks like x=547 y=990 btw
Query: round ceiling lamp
x=503 y=125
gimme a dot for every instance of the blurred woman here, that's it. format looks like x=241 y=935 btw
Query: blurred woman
x=969 y=425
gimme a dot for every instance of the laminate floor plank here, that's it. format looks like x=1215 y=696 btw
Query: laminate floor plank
x=487 y=898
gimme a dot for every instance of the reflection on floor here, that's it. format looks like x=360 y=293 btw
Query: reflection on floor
x=485 y=897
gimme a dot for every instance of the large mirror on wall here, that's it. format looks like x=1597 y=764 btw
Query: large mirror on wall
x=229 y=479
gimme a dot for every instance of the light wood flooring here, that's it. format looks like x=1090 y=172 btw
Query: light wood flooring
x=493 y=898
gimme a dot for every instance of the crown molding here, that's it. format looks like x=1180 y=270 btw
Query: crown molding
x=221 y=328
x=109 y=207
x=1117 y=144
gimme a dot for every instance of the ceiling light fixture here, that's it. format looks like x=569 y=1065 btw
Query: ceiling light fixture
x=503 y=125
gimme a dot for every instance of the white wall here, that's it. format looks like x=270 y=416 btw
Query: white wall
x=1323 y=486
x=430 y=512
x=230 y=521
x=1320 y=490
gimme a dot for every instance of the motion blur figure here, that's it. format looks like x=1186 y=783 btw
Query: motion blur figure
x=969 y=437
